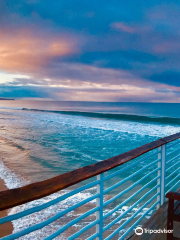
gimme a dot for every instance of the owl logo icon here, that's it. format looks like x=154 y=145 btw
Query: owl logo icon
x=139 y=231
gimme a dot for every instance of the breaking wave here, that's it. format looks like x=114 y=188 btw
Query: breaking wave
x=122 y=117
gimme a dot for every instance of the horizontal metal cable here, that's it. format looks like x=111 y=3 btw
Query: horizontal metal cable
x=129 y=166
x=172 y=173
x=128 y=199
x=93 y=236
x=173 y=159
x=69 y=224
x=135 y=224
x=172 y=152
x=172 y=145
x=130 y=208
x=173 y=187
x=172 y=180
x=129 y=220
x=74 y=236
x=46 y=205
x=50 y=220
x=129 y=188
x=172 y=166
x=129 y=177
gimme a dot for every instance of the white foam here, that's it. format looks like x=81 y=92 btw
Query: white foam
x=10 y=179
x=141 y=129
x=13 y=181
x=45 y=214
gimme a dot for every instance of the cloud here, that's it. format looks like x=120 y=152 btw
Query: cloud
x=106 y=51
x=28 y=51
x=171 y=78
x=75 y=82
x=128 y=94
x=122 y=27
x=170 y=46
x=77 y=74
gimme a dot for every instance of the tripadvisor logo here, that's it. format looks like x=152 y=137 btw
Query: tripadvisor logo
x=139 y=231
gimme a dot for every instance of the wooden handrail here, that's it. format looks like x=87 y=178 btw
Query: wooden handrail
x=14 y=197
x=173 y=195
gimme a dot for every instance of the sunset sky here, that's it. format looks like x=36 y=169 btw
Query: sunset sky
x=90 y=50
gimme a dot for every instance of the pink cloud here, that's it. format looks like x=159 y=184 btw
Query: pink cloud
x=167 y=47
x=122 y=27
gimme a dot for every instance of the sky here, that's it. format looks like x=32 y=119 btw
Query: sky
x=117 y=51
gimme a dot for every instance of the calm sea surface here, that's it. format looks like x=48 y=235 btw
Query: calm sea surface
x=42 y=139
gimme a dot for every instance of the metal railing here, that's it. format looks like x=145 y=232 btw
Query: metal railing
x=122 y=193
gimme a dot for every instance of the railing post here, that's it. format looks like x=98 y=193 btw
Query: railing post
x=161 y=174
x=99 y=203
x=159 y=179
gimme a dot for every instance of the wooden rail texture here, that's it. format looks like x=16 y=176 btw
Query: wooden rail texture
x=14 y=197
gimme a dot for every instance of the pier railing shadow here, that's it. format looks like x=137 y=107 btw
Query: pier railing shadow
x=120 y=193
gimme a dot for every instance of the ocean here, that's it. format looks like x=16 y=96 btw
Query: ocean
x=42 y=139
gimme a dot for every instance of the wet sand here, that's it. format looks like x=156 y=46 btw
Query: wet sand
x=7 y=228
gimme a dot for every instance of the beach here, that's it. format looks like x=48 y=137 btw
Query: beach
x=7 y=228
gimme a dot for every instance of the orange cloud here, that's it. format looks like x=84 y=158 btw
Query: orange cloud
x=25 y=51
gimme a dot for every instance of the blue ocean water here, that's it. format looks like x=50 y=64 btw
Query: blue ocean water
x=51 y=138
x=42 y=139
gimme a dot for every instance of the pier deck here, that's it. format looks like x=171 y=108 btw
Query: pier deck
x=158 y=221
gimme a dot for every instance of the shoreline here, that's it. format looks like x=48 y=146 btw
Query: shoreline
x=7 y=228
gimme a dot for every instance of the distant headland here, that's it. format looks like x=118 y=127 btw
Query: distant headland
x=7 y=98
